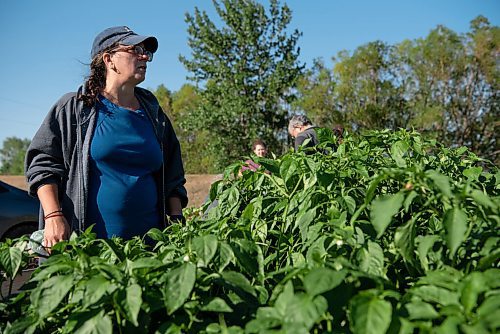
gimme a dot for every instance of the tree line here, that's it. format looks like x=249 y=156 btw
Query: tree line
x=246 y=80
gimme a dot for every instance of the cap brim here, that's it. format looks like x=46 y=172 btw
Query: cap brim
x=150 y=42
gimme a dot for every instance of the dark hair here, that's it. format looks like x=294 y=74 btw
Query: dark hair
x=298 y=120
x=96 y=81
x=338 y=131
x=258 y=142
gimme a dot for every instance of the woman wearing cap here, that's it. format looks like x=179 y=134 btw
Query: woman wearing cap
x=107 y=155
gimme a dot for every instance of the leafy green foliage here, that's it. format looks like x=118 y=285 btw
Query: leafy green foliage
x=385 y=232
x=424 y=84
x=247 y=66
x=178 y=106
x=12 y=155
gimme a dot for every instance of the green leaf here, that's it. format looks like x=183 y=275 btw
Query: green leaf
x=217 y=304
x=23 y=325
x=100 y=323
x=409 y=199
x=298 y=260
x=205 y=247
x=418 y=310
x=225 y=256
x=482 y=199
x=350 y=203
x=434 y=294
x=473 y=285
x=149 y=263
x=398 y=150
x=446 y=277
x=489 y=310
x=233 y=199
x=425 y=243
x=246 y=254
x=303 y=221
x=473 y=173
x=455 y=224
x=284 y=298
x=320 y=280
x=492 y=277
x=371 y=259
x=488 y=260
x=441 y=181
x=369 y=314
x=370 y=192
x=383 y=209
x=95 y=288
x=238 y=280
x=288 y=172
x=157 y=235
x=134 y=302
x=51 y=293
x=267 y=318
x=302 y=312
x=404 y=240
x=247 y=213
x=259 y=230
x=449 y=326
x=10 y=260
x=180 y=283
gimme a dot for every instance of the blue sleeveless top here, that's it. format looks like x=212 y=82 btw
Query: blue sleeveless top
x=123 y=196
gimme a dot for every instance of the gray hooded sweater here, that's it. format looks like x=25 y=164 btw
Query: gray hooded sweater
x=60 y=150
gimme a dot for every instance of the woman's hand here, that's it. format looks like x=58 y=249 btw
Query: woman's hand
x=56 y=229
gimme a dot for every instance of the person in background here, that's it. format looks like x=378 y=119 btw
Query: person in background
x=301 y=129
x=259 y=148
x=107 y=155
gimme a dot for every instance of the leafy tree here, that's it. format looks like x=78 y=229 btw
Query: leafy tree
x=247 y=67
x=164 y=96
x=365 y=88
x=317 y=91
x=482 y=89
x=453 y=87
x=197 y=158
x=178 y=106
x=12 y=155
x=444 y=85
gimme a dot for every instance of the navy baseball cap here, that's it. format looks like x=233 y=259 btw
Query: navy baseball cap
x=122 y=35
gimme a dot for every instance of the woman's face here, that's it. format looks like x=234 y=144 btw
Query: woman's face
x=260 y=150
x=130 y=62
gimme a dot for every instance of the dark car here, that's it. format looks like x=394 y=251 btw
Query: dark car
x=18 y=212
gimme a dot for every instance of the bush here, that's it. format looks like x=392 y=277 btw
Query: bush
x=386 y=232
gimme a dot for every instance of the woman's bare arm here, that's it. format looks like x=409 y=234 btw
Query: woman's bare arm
x=56 y=228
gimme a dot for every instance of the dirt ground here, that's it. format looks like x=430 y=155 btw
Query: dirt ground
x=197 y=185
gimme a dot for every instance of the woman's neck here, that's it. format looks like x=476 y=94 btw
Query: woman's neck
x=122 y=96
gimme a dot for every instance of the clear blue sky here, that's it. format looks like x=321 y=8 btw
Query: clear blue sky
x=46 y=44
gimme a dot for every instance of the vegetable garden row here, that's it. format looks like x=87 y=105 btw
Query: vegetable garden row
x=385 y=233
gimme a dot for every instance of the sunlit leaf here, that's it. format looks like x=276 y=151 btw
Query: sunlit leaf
x=320 y=280
x=369 y=314
x=205 y=247
x=180 y=283
x=455 y=223
x=383 y=209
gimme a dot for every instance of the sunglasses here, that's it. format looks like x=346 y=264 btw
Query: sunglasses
x=137 y=50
